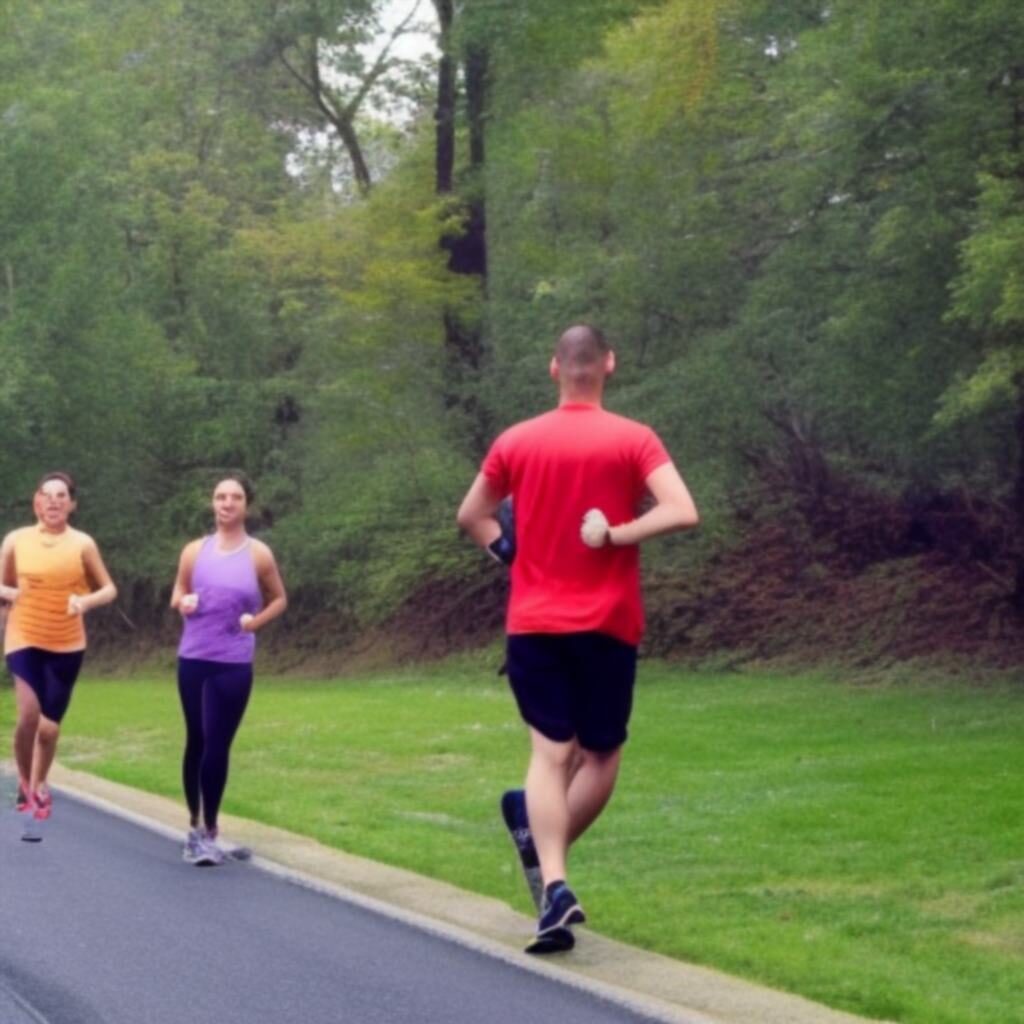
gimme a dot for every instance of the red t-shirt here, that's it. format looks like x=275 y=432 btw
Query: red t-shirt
x=557 y=467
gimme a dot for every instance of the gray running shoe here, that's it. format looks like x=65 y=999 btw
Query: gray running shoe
x=201 y=850
x=213 y=855
x=192 y=851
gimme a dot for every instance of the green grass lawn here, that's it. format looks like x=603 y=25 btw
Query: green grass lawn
x=863 y=846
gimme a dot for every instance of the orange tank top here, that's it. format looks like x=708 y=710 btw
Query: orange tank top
x=50 y=568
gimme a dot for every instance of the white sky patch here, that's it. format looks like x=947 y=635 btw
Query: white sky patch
x=412 y=45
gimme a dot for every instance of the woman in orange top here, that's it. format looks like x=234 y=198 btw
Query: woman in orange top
x=51 y=574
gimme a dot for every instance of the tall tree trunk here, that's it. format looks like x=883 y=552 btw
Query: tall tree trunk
x=467 y=249
x=444 y=114
x=360 y=170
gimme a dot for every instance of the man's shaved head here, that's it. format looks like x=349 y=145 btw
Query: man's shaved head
x=581 y=343
x=582 y=356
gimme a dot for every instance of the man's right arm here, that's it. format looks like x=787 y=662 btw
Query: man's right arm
x=477 y=513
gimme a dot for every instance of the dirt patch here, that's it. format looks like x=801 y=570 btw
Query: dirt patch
x=771 y=599
x=447 y=615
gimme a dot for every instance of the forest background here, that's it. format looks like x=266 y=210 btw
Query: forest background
x=260 y=234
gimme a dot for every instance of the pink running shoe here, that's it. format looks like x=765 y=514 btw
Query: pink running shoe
x=42 y=805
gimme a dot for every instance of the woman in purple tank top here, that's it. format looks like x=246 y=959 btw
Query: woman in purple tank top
x=228 y=586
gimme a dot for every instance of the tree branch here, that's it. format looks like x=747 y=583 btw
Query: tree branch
x=380 y=65
x=311 y=86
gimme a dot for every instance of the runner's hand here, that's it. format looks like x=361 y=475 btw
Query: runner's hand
x=245 y=621
x=9 y=594
x=594 y=529
x=76 y=605
x=188 y=604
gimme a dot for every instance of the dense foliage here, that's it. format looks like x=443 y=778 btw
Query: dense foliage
x=802 y=225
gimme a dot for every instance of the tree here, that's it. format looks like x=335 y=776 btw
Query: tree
x=319 y=67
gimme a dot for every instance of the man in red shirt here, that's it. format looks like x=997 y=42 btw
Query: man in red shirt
x=577 y=476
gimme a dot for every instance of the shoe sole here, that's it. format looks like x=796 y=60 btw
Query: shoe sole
x=202 y=860
x=558 y=940
x=241 y=854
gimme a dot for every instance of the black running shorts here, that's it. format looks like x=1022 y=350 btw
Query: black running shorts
x=50 y=674
x=574 y=685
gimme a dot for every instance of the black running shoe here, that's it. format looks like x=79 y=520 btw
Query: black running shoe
x=561 y=940
x=513 y=810
x=561 y=909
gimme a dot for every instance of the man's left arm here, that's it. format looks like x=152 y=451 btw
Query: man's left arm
x=673 y=510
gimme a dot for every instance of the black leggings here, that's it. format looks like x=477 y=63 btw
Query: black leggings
x=214 y=695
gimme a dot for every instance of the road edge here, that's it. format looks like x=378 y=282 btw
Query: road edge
x=659 y=987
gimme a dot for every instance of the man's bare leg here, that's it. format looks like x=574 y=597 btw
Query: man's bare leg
x=591 y=788
x=547 y=801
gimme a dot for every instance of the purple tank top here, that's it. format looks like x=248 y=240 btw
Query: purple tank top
x=227 y=587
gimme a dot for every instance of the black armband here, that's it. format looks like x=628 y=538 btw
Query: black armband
x=504 y=548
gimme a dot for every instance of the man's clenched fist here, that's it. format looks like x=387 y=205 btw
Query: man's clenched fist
x=594 y=530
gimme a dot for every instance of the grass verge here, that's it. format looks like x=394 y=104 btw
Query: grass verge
x=860 y=845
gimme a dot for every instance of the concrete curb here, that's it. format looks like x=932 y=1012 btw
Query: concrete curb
x=662 y=988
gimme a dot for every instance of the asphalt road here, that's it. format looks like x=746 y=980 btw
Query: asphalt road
x=102 y=923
